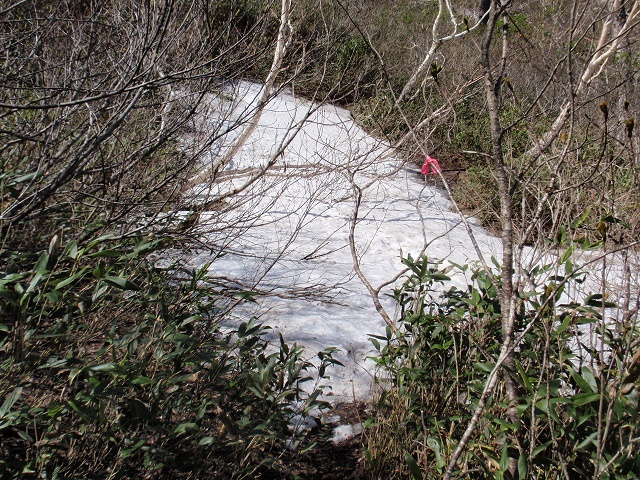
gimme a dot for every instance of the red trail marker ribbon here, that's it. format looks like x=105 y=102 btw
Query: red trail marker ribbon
x=431 y=165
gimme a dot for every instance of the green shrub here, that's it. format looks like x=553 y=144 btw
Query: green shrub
x=112 y=367
x=477 y=193
x=575 y=412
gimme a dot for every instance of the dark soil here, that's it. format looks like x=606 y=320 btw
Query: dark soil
x=326 y=460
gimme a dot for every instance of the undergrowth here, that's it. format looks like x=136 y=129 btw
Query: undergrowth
x=112 y=368
x=577 y=402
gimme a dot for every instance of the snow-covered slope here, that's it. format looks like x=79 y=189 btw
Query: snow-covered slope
x=288 y=231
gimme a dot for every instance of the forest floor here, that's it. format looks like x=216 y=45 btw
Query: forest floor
x=329 y=460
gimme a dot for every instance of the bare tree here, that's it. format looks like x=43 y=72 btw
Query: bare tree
x=97 y=103
x=552 y=142
x=509 y=181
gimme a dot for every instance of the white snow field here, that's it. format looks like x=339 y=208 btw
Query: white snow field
x=286 y=233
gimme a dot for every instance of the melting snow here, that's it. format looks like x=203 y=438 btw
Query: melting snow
x=287 y=232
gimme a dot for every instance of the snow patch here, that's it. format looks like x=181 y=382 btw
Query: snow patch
x=286 y=235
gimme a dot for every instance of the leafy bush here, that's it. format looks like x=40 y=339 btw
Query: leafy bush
x=478 y=195
x=113 y=367
x=577 y=404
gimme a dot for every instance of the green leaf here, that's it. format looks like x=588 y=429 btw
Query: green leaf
x=10 y=401
x=72 y=250
x=100 y=239
x=585 y=398
x=506 y=426
x=208 y=441
x=147 y=247
x=127 y=452
x=141 y=381
x=612 y=219
x=71 y=279
x=54 y=297
x=308 y=448
x=590 y=440
x=564 y=325
x=522 y=466
x=580 y=220
x=259 y=393
x=103 y=367
x=597 y=301
x=504 y=459
x=370 y=423
x=24 y=178
x=182 y=338
x=247 y=295
x=99 y=292
x=475 y=297
x=25 y=436
x=109 y=253
x=42 y=263
x=540 y=448
x=580 y=381
x=414 y=468
x=586 y=320
x=524 y=377
x=434 y=444
x=568 y=267
x=483 y=367
x=54 y=362
x=13 y=277
x=566 y=255
x=34 y=282
x=121 y=282
x=439 y=277
x=85 y=416
x=191 y=319
x=588 y=376
x=188 y=427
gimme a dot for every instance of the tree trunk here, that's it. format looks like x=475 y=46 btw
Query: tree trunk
x=492 y=91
